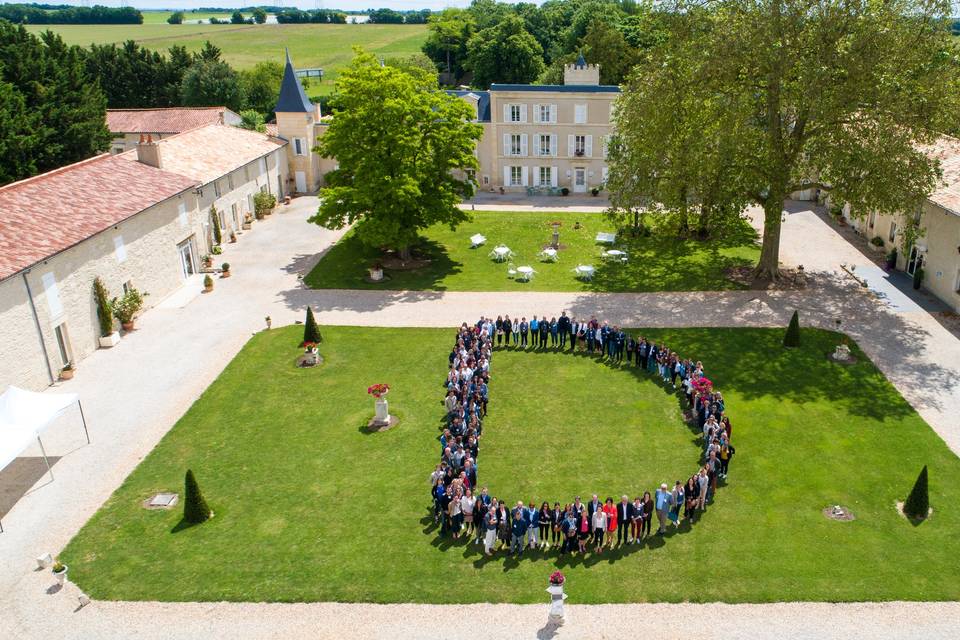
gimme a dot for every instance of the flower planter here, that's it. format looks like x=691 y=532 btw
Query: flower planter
x=111 y=340
x=208 y=288
x=67 y=374
x=246 y=226
x=225 y=274
x=555 y=614
x=376 y=274
x=381 y=411
x=61 y=576
x=127 y=326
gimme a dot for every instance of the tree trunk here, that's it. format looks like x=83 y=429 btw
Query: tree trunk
x=769 y=266
x=684 y=229
x=405 y=253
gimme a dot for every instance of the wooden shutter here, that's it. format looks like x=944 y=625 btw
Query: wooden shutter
x=524 y=178
x=506 y=176
x=523 y=113
x=506 y=113
x=553 y=144
x=570 y=145
x=506 y=144
x=523 y=144
x=54 y=305
x=553 y=176
x=588 y=150
x=553 y=114
x=536 y=113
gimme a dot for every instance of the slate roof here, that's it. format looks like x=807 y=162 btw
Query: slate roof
x=483 y=102
x=562 y=88
x=207 y=153
x=46 y=214
x=293 y=99
x=173 y=120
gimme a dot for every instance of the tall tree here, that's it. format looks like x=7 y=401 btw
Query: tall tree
x=210 y=83
x=833 y=94
x=64 y=110
x=605 y=45
x=403 y=149
x=261 y=86
x=504 y=53
x=446 y=43
x=259 y=15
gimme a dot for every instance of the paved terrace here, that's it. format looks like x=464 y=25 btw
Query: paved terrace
x=135 y=392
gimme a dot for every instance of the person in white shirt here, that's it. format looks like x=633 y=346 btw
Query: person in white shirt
x=599 y=527
x=467 y=503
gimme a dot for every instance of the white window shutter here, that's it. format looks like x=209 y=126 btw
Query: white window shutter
x=589 y=148
x=553 y=144
x=182 y=213
x=606 y=174
x=506 y=144
x=536 y=177
x=523 y=144
x=553 y=114
x=570 y=144
x=536 y=113
x=506 y=175
x=553 y=176
x=506 y=113
x=524 y=178
x=52 y=294
x=523 y=113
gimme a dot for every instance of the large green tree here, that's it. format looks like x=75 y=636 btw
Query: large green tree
x=210 y=83
x=261 y=86
x=403 y=148
x=446 y=44
x=505 y=52
x=50 y=102
x=832 y=94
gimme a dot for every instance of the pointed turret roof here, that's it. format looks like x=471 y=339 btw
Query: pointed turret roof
x=581 y=62
x=293 y=99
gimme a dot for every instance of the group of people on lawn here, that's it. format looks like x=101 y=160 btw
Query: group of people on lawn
x=461 y=509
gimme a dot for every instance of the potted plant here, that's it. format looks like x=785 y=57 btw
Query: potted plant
x=917 y=277
x=565 y=191
x=60 y=572
x=247 y=222
x=233 y=236
x=67 y=372
x=109 y=337
x=312 y=353
x=225 y=270
x=207 y=261
x=877 y=242
x=207 y=283
x=557 y=596
x=379 y=392
x=892 y=260
x=216 y=250
x=127 y=306
x=595 y=191
x=269 y=322
x=263 y=204
x=376 y=271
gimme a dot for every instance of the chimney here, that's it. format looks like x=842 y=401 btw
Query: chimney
x=148 y=152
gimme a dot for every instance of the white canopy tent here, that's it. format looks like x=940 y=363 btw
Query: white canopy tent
x=24 y=415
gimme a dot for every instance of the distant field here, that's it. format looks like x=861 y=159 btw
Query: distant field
x=160 y=17
x=327 y=46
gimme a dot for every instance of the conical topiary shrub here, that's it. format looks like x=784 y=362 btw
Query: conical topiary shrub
x=917 y=505
x=195 y=509
x=311 y=331
x=217 y=232
x=792 y=339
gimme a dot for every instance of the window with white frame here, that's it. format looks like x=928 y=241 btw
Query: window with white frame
x=892 y=235
x=580 y=114
x=300 y=146
x=546 y=113
x=216 y=188
x=230 y=181
x=515 y=113
x=579 y=145
x=543 y=176
x=872 y=220
x=515 y=144
x=486 y=180
x=516 y=176
x=54 y=305
x=544 y=144
x=246 y=172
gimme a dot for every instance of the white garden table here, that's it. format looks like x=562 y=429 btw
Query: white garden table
x=550 y=254
x=615 y=254
x=501 y=253
x=525 y=273
x=584 y=271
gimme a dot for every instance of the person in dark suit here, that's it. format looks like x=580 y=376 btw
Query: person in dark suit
x=624 y=519
x=563 y=327
x=592 y=507
x=544 y=332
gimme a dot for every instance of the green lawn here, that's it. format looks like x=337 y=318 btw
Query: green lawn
x=309 y=507
x=656 y=263
x=328 y=46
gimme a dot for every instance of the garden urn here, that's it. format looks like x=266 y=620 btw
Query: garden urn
x=61 y=575
x=382 y=412
x=376 y=274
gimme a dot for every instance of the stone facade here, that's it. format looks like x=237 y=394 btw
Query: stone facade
x=141 y=251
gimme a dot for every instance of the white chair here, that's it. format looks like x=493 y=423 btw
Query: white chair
x=501 y=252
x=606 y=238
x=511 y=271
x=584 y=272
x=476 y=240
x=550 y=254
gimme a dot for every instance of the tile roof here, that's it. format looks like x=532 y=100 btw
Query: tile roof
x=46 y=214
x=483 y=102
x=174 y=120
x=210 y=152
x=947 y=150
x=293 y=99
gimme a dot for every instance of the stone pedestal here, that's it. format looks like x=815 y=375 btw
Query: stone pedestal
x=555 y=614
x=376 y=274
x=841 y=353
x=382 y=415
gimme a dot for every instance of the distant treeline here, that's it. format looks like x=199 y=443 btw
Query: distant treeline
x=336 y=16
x=62 y=14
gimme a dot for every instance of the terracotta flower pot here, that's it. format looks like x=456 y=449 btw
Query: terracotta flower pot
x=127 y=326
x=67 y=374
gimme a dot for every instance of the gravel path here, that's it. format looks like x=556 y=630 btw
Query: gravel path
x=135 y=392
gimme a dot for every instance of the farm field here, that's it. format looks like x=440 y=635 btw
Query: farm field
x=160 y=17
x=328 y=46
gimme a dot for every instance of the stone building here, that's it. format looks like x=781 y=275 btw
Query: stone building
x=138 y=219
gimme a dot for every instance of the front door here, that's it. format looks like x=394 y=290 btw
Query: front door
x=185 y=249
x=301 y=182
x=915 y=261
x=579 y=180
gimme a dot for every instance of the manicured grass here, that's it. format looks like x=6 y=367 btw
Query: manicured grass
x=656 y=263
x=309 y=507
x=328 y=46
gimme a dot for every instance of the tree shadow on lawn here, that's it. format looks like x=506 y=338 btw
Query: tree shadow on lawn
x=346 y=263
